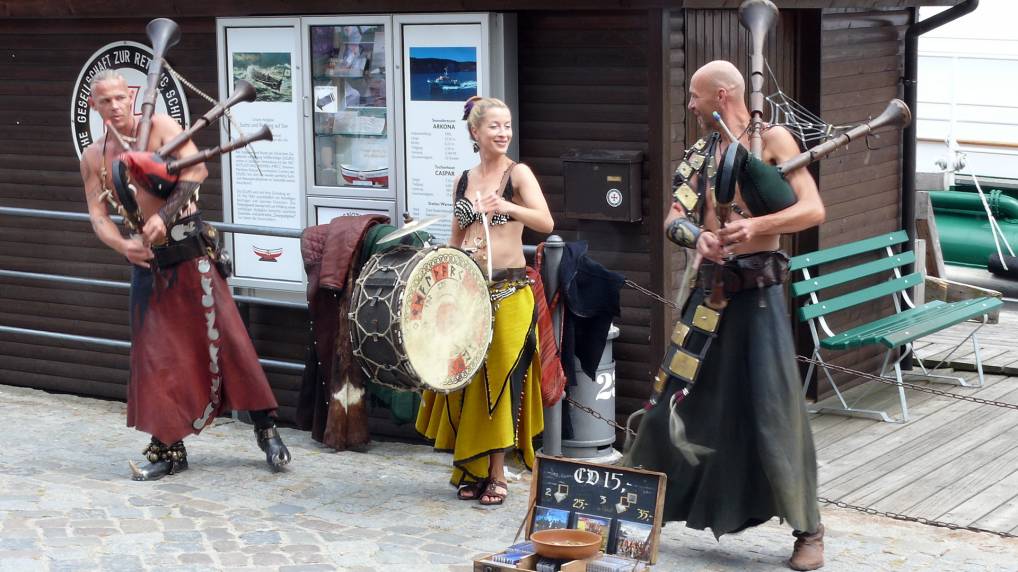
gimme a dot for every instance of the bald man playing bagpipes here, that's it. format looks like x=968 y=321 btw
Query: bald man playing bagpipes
x=191 y=357
x=728 y=393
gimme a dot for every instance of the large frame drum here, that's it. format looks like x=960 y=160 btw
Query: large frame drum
x=421 y=318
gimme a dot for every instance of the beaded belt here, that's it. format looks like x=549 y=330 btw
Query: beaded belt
x=506 y=281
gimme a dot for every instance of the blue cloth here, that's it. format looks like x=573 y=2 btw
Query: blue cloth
x=590 y=293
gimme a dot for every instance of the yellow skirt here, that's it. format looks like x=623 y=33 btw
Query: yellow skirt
x=479 y=419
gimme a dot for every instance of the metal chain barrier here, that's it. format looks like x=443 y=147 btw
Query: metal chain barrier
x=917 y=519
x=652 y=294
x=597 y=415
x=841 y=369
x=841 y=504
x=912 y=386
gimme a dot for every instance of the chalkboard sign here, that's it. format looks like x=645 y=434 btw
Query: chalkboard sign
x=620 y=503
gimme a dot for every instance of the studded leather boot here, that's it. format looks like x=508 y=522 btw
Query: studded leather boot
x=163 y=460
x=808 y=552
x=276 y=453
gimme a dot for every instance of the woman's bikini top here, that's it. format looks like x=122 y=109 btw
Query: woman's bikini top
x=463 y=208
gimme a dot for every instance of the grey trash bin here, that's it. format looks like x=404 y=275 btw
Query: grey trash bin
x=592 y=437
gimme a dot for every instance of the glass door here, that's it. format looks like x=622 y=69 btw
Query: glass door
x=348 y=107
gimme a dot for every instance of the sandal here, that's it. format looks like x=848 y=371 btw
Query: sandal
x=471 y=491
x=497 y=490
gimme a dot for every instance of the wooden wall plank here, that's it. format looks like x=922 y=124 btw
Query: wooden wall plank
x=584 y=86
x=861 y=64
x=39 y=169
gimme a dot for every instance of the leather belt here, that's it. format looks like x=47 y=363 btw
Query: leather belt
x=746 y=272
x=500 y=274
x=183 y=242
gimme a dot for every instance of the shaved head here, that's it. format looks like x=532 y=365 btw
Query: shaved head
x=721 y=74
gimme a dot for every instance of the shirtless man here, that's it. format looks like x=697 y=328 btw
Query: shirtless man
x=718 y=86
x=191 y=357
x=740 y=450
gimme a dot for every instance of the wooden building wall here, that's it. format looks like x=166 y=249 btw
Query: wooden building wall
x=592 y=79
x=674 y=259
x=39 y=170
x=584 y=85
x=862 y=63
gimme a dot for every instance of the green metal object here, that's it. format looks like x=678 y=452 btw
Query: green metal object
x=847 y=275
x=828 y=255
x=965 y=236
x=857 y=297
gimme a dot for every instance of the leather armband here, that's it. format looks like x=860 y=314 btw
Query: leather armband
x=683 y=232
x=183 y=194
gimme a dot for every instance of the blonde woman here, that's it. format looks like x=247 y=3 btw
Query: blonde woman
x=500 y=410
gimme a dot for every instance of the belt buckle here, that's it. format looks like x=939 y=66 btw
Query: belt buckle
x=181 y=231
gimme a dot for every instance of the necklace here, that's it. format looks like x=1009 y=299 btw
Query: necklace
x=743 y=132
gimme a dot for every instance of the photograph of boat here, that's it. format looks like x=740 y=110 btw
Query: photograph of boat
x=443 y=74
x=443 y=81
x=365 y=177
x=268 y=72
x=267 y=254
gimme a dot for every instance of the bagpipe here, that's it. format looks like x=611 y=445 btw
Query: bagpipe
x=764 y=188
x=156 y=171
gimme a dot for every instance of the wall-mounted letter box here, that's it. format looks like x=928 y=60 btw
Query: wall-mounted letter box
x=602 y=185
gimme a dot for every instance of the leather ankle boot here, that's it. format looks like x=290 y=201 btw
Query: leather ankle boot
x=808 y=553
x=276 y=453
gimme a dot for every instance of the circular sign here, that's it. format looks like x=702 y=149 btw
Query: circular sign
x=131 y=60
x=614 y=197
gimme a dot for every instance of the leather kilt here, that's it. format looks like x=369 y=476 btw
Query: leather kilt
x=191 y=357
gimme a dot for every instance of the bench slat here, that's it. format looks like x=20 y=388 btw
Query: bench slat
x=958 y=314
x=866 y=333
x=884 y=264
x=906 y=323
x=824 y=307
x=899 y=329
x=846 y=250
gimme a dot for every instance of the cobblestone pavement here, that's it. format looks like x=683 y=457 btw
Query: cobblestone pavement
x=67 y=503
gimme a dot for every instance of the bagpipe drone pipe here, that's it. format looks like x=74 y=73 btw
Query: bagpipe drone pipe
x=155 y=171
x=765 y=189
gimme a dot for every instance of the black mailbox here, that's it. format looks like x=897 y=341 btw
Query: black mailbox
x=602 y=185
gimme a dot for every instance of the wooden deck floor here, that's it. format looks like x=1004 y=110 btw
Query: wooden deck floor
x=954 y=461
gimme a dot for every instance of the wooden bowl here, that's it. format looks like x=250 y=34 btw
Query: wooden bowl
x=566 y=543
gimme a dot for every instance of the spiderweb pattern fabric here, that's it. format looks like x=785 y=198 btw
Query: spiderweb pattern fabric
x=805 y=125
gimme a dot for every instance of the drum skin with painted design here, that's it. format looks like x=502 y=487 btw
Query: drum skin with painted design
x=421 y=318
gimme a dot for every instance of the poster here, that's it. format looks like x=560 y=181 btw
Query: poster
x=325 y=99
x=440 y=67
x=265 y=179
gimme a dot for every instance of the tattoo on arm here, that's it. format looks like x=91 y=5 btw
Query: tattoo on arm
x=100 y=222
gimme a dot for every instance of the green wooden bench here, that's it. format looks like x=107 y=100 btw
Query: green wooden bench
x=895 y=332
